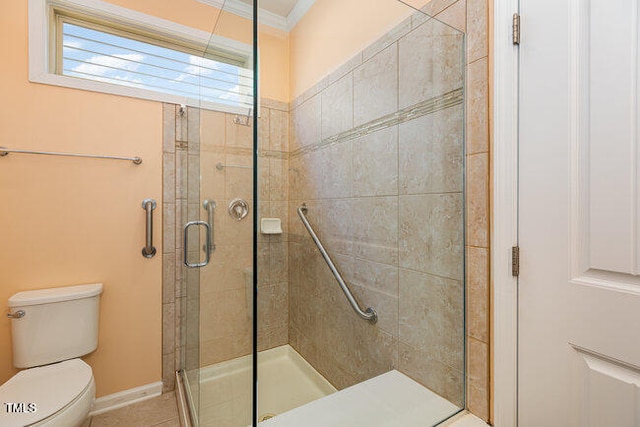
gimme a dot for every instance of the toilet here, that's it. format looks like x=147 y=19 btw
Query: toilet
x=51 y=329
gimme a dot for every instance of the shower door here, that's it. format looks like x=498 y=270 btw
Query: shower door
x=217 y=227
x=376 y=156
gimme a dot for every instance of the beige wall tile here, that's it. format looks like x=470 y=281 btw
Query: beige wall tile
x=375 y=86
x=238 y=135
x=337 y=107
x=168 y=128
x=437 y=249
x=478 y=200
x=279 y=131
x=375 y=163
x=478 y=29
x=168 y=328
x=263 y=178
x=431 y=316
x=431 y=7
x=386 y=306
x=431 y=154
x=278 y=262
x=478 y=378
x=273 y=337
x=169 y=223
x=430 y=62
x=330 y=175
x=278 y=179
x=212 y=180
x=434 y=375
x=478 y=293
x=273 y=306
x=168 y=277
x=305 y=124
x=373 y=275
x=478 y=107
x=212 y=129
x=193 y=130
x=264 y=125
x=455 y=15
x=182 y=127
x=169 y=177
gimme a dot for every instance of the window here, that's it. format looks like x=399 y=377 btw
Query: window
x=89 y=51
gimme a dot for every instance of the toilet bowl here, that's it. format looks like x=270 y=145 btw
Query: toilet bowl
x=51 y=328
x=55 y=395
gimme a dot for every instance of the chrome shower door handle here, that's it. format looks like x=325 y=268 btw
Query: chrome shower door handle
x=185 y=244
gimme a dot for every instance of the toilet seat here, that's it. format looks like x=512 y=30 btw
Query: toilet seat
x=51 y=388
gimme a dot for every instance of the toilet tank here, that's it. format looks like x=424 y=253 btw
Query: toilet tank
x=58 y=324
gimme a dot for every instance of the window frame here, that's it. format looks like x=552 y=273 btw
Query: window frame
x=45 y=24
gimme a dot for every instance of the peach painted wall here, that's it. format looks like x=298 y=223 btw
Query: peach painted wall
x=72 y=221
x=317 y=48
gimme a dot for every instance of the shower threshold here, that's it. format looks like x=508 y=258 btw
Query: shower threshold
x=389 y=400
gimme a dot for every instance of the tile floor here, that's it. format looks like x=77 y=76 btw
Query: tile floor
x=161 y=411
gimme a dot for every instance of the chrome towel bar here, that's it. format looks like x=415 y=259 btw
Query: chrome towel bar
x=6 y=151
x=149 y=250
x=368 y=314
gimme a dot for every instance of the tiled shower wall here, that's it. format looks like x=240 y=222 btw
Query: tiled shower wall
x=377 y=155
x=208 y=155
x=339 y=181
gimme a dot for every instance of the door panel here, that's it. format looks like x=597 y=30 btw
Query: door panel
x=579 y=301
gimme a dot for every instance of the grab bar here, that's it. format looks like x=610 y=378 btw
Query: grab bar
x=149 y=250
x=210 y=206
x=185 y=246
x=368 y=314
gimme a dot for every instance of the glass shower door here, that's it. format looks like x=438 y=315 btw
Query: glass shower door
x=217 y=212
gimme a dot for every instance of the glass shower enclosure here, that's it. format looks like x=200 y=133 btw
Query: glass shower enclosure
x=296 y=214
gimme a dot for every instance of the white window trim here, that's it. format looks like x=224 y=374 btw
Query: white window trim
x=39 y=49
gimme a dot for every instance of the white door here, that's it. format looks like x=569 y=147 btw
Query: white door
x=579 y=216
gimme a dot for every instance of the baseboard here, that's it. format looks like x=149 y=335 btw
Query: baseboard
x=125 y=398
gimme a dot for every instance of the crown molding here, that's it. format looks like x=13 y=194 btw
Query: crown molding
x=265 y=17
x=298 y=11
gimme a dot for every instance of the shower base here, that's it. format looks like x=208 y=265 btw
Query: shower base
x=286 y=381
x=291 y=393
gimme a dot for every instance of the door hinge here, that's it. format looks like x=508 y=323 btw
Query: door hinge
x=515 y=261
x=516 y=29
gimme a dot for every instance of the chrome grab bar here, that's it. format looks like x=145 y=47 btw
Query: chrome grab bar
x=210 y=206
x=149 y=250
x=368 y=314
x=6 y=151
x=185 y=245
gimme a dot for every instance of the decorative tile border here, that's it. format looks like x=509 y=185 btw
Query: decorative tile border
x=429 y=106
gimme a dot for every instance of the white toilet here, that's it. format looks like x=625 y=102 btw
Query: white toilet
x=51 y=329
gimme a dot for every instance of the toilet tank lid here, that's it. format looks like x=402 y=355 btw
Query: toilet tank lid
x=46 y=296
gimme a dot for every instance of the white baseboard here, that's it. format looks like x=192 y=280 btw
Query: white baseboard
x=125 y=398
